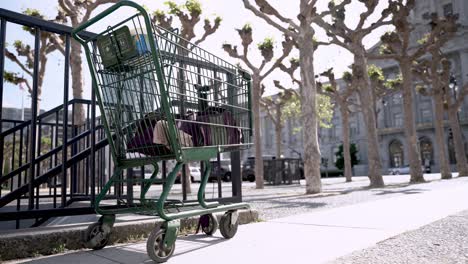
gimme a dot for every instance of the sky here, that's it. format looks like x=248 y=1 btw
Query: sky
x=234 y=16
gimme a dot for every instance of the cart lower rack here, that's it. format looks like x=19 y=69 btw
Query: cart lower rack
x=163 y=98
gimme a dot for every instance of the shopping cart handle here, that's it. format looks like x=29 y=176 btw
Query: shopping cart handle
x=103 y=14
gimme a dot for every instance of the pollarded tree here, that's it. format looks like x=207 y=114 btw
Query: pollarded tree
x=189 y=15
x=74 y=13
x=435 y=72
x=302 y=33
x=24 y=57
x=397 y=45
x=341 y=96
x=259 y=73
x=352 y=39
x=274 y=106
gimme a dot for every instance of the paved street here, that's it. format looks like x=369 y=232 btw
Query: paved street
x=315 y=236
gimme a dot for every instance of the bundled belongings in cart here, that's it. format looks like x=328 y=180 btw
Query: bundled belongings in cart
x=162 y=98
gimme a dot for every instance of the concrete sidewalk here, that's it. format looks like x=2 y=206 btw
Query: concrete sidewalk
x=315 y=237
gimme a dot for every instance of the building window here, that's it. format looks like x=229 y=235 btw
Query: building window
x=426 y=116
x=353 y=129
x=398 y=120
x=334 y=151
x=426 y=151
x=268 y=132
x=396 y=99
x=448 y=9
x=396 y=154
x=426 y=16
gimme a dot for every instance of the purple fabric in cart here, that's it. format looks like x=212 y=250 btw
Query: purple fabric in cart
x=213 y=135
x=142 y=142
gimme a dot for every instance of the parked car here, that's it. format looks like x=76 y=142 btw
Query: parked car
x=248 y=168
x=404 y=170
x=195 y=174
x=223 y=169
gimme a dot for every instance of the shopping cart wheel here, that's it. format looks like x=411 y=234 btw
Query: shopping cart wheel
x=209 y=224
x=157 y=250
x=228 y=224
x=96 y=237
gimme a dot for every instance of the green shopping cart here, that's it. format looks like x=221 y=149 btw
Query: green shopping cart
x=163 y=98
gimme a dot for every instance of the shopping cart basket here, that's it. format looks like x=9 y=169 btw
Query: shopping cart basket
x=163 y=98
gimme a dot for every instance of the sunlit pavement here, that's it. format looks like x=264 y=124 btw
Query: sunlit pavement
x=313 y=237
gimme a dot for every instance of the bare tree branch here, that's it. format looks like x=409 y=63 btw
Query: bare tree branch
x=267 y=19
x=14 y=59
x=209 y=30
x=93 y=5
x=266 y=8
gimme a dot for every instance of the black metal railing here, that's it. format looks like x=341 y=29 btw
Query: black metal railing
x=54 y=160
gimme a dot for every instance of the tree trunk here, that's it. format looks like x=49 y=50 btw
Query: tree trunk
x=410 y=124
x=78 y=116
x=439 y=133
x=257 y=132
x=309 y=114
x=346 y=145
x=77 y=80
x=458 y=142
x=187 y=179
x=368 y=112
x=278 y=130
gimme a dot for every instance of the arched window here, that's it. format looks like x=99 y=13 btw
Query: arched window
x=396 y=153
x=425 y=146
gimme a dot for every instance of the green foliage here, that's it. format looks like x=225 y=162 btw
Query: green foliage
x=192 y=6
x=424 y=39
x=293 y=108
x=34 y=13
x=266 y=44
x=294 y=60
x=340 y=158
x=394 y=84
x=60 y=248
x=12 y=77
x=159 y=13
x=347 y=76
x=384 y=49
x=247 y=28
x=218 y=19
x=328 y=88
x=375 y=73
x=17 y=44
x=174 y=9
x=324 y=110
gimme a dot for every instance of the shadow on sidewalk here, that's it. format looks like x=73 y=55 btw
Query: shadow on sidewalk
x=406 y=191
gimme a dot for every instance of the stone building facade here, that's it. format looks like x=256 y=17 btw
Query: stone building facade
x=392 y=143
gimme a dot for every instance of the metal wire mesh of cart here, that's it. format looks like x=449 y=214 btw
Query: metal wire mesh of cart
x=160 y=94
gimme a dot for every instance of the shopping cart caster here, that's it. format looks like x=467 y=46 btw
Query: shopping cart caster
x=97 y=234
x=208 y=224
x=228 y=224
x=158 y=250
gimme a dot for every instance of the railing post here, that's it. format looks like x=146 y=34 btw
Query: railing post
x=2 y=64
x=33 y=137
x=65 y=121
x=93 y=143
x=2 y=68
